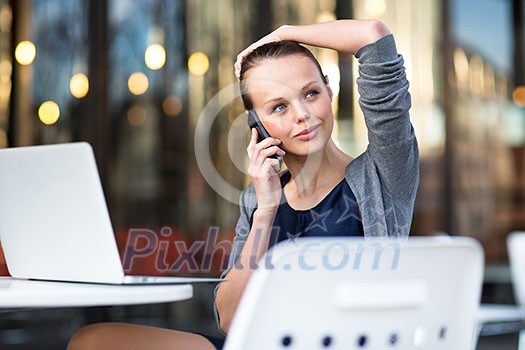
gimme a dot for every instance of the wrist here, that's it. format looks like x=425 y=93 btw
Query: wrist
x=374 y=30
x=283 y=32
x=264 y=215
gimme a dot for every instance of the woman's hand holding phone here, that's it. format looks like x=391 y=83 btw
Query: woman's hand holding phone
x=264 y=170
x=255 y=123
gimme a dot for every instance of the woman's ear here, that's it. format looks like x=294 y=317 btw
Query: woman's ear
x=327 y=84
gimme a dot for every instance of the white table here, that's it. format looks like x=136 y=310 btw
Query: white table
x=16 y=294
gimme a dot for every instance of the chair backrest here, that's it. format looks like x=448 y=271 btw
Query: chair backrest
x=345 y=293
x=516 y=252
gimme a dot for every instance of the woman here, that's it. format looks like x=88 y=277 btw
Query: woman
x=324 y=191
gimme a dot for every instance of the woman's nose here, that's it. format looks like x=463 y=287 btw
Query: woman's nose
x=302 y=113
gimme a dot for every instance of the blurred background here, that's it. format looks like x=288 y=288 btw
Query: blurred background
x=132 y=77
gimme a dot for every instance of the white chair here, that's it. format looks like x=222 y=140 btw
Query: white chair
x=344 y=293
x=495 y=319
x=516 y=253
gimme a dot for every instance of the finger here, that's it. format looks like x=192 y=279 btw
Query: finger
x=269 y=167
x=243 y=54
x=237 y=69
x=266 y=154
x=274 y=36
x=253 y=142
x=256 y=149
x=254 y=146
x=255 y=135
x=273 y=150
x=276 y=165
x=238 y=63
x=264 y=143
x=268 y=142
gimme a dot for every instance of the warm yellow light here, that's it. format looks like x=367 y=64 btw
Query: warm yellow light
x=325 y=16
x=6 y=18
x=79 y=85
x=49 y=112
x=25 y=52
x=198 y=64
x=155 y=56
x=137 y=115
x=138 y=83
x=5 y=91
x=3 y=138
x=5 y=68
x=375 y=8
x=461 y=66
x=518 y=96
x=172 y=106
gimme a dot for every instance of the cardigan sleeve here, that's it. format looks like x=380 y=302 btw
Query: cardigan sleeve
x=385 y=102
x=385 y=177
x=247 y=204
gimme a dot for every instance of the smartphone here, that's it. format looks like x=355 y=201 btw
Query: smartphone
x=255 y=122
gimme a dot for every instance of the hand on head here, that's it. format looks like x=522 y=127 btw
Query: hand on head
x=276 y=35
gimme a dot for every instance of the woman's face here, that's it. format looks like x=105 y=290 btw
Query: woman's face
x=293 y=102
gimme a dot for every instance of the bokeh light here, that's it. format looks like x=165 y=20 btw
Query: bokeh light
x=49 y=112
x=137 y=115
x=325 y=16
x=138 y=83
x=375 y=8
x=198 y=64
x=25 y=52
x=155 y=56
x=518 y=96
x=172 y=106
x=461 y=67
x=79 y=85
x=6 y=18
x=5 y=67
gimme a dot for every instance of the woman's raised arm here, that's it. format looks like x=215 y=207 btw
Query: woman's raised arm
x=345 y=36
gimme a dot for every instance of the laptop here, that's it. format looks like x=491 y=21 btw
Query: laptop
x=54 y=220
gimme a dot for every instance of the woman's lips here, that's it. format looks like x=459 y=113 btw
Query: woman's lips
x=309 y=133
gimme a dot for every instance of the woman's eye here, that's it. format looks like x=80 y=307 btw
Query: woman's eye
x=278 y=108
x=310 y=94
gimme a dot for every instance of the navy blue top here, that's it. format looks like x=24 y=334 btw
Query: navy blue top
x=336 y=215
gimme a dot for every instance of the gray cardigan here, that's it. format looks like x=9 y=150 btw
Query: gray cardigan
x=384 y=179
